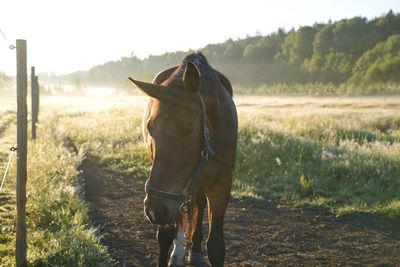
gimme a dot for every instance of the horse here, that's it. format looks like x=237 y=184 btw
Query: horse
x=190 y=131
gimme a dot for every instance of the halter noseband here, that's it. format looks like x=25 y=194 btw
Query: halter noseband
x=198 y=171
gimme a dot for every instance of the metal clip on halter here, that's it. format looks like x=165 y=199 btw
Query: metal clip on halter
x=185 y=207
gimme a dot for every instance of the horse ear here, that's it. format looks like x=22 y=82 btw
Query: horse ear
x=149 y=89
x=191 y=77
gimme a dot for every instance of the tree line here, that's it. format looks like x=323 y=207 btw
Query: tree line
x=350 y=51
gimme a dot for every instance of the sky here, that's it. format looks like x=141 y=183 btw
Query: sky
x=64 y=36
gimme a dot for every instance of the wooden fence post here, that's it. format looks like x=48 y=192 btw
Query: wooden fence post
x=33 y=89
x=37 y=98
x=22 y=84
x=35 y=101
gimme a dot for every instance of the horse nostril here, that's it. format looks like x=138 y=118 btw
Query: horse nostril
x=157 y=212
x=164 y=212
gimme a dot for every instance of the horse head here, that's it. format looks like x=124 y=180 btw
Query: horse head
x=174 y=133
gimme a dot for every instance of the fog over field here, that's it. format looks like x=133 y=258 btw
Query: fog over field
x=316 y=84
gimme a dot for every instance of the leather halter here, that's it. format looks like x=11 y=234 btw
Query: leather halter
x=198 y=171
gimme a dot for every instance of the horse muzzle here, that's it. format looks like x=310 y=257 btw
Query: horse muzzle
x=160 y=211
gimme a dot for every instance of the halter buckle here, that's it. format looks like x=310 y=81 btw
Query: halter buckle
x=185 y=207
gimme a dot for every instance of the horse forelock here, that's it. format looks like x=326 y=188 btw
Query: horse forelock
x=197 y=59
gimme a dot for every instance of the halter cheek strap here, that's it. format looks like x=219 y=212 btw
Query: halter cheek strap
x=206 y=130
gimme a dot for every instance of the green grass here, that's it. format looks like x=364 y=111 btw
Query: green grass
x=59 y=231
x=324 y=154
x=113 y=137
x=321 y=89
x=339 y=153
x=7 y=196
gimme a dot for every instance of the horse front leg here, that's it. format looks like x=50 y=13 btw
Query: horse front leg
x=196 y=256
x=165 y=237
x=217 y=197
x=177 y=258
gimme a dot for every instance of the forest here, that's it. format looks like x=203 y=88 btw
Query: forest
x=351 y=52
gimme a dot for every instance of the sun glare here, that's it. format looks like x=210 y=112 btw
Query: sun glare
x=99 y=91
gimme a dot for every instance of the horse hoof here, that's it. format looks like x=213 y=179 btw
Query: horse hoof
x=175 y=262
x=197 y=259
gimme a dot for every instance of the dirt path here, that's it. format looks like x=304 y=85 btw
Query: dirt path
x=257 y=233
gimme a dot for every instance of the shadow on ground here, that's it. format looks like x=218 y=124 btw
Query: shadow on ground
x=257 y=233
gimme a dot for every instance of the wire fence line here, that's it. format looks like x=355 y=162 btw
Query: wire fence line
x=12 y=150
x=5 y=39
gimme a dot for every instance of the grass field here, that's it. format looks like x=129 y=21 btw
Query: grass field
x=342 y=153
x=59 y=230
x=339 y=153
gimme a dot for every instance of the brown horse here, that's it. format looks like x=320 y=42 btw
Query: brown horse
x=190 y=130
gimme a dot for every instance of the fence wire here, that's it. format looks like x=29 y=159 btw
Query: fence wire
x=5 y=39
x=7 y=167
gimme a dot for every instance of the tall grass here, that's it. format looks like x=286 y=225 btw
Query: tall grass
x=59 y=232
x=112 y=137
x=321 y=89
x=345 y=158
x=339 y=153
